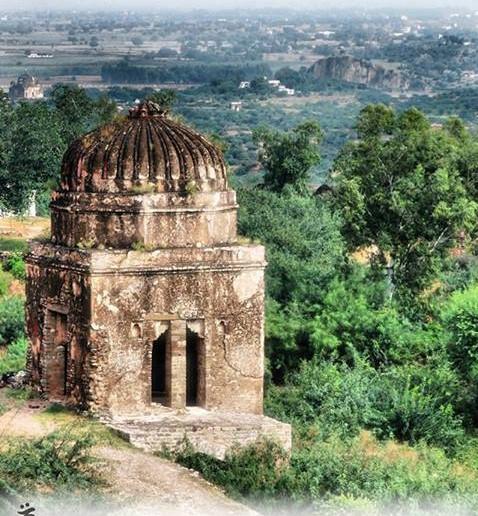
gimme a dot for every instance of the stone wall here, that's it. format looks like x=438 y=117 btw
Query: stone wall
x=57 y=321
x=218 y=288
x=125 y=221
x=116 y=303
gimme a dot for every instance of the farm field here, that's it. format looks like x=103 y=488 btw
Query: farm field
x=16 y=231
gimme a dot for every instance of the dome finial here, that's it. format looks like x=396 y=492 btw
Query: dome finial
x=146 y=108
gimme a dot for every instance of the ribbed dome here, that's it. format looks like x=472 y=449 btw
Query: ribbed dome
x=146 y=150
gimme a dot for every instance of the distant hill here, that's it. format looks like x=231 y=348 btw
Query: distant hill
x=359 y=71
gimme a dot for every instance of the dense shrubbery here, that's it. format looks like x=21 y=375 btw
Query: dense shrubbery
x=305 y=251
x=16 y=266
x=60 y=460
x=11 y=319
x=409 y=403
x=14 y=358
x=460 y=318
x=375 y=368
x=353 y=473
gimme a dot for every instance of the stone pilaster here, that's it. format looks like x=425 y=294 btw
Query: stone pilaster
x=176 y=364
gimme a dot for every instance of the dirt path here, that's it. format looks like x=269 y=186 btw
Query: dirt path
x=21 y=421
x=145 y=482
x=138 y=483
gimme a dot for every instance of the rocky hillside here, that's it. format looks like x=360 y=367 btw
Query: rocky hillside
x=359 y=71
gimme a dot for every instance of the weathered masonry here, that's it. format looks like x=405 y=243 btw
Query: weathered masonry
x=143 y=302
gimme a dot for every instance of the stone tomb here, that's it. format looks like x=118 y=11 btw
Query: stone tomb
x=143 y=304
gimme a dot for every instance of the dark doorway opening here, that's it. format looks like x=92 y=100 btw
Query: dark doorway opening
x=158 y=370
x=192 y=377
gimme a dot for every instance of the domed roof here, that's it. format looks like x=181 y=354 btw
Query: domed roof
x=25 y=79
x=147 y=151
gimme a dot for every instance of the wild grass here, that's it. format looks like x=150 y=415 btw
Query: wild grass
x=13 y=244
x=142 y=247
x=61 y=460
x=337 y=472
x=13 y=357
x=62 y=417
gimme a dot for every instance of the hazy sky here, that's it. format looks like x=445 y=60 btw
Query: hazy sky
x=228 y=4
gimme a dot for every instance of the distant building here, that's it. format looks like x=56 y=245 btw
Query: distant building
x=274 y=83
x=284 y=89
x=244 y=85
x=469 y=75
x=27 y=87
x=39 y=55
x=236 y=105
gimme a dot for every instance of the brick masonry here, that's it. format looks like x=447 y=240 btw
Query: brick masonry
x=214 y=433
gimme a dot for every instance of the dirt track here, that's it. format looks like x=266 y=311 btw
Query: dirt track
x=137 y=483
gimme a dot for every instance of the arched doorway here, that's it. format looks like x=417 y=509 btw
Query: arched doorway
x=158 y=370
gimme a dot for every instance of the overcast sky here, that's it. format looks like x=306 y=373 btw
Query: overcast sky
x=229 y=4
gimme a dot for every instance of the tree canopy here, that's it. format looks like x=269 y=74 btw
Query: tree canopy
x=402 y=192
x=289 y=156
x=35 y=136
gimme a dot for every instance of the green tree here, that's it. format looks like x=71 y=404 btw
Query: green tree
x=78 y=112
x=460 y=317
x=164 y=98
x=6 y=122
x=288 y=157
x=75 y=109
x=305 y=251
x=401 y=193
x=36 y=148
x=105 y=110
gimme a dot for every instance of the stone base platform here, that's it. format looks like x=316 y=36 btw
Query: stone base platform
x=208 y=432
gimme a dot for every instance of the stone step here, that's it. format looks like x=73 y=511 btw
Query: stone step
x=215 y=434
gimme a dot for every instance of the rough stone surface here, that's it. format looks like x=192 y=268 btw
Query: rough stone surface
x=146 y=299
x=350 y=69
x=211 y=432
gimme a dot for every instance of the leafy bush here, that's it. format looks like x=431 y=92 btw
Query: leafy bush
x=333 y=471
x=14 y=358
x=16 y=265
x=58 y=460
x=304 y=246
x=12 y=319
x=354 y=323
x=5 y=280
x=254 y=471
x=387 y=472
x=410 y=403
x=420 y=403
x=460 y=317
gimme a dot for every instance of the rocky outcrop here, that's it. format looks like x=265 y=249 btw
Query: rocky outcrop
x=359 y=71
